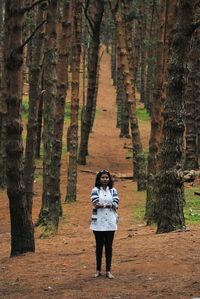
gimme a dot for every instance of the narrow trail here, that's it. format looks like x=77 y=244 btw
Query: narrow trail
x=145 y=265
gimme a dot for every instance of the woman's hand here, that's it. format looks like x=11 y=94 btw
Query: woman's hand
x=98 y=206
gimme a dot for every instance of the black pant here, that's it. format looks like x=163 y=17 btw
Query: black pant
x=104 y=238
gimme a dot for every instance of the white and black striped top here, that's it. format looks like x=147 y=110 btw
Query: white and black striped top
x=104 y=219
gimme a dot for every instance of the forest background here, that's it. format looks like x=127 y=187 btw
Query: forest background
x=60 y=103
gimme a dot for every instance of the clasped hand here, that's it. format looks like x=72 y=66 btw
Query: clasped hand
x=101 y=206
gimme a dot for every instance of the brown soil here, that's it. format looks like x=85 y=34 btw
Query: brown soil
x=145 y=265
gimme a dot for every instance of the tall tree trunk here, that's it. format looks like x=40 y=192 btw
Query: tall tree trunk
x=62 y=71
x=191 y=157
x=96 y=14
x=151 y=54
x=122 y=104
x=138 y=155
x=3 y=108
x=166 y=24
x=171 y=188
x=142 y=10
x=114 y=59
x=73 y=140
x=22 y=232
x=124 y=116
x=34 y=98
x=50 y=201
x=197 y=95
x=39 y=122
x=96 y=90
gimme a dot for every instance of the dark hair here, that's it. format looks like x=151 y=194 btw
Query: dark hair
x=99 y=174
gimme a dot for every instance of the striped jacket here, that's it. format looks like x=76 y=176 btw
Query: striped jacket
x=104 y=219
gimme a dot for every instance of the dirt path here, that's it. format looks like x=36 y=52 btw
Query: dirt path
x=145 y=265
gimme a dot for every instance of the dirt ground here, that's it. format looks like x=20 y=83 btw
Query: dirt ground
x=145 y=265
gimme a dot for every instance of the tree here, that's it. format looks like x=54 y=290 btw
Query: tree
x=94 y=13
x=50 y=210
x=73 y=129
x=3 y=108
x=191 y=157
x=138 y=155
x=22 y=232
x=197 y=94
x=167 y=19
x=37 y=48
x=170 y=182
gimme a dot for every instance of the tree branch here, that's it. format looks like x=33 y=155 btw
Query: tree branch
x=87 y=17
x=32 y=34
x=29 y=7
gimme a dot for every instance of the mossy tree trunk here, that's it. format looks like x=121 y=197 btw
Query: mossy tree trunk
x=22 y=232
x=191 y=157
x=73 y=137
x=37 y=48
x=170 y=179
x=64 y=38
x=50 y=210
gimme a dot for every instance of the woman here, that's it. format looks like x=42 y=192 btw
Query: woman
x=104 y=218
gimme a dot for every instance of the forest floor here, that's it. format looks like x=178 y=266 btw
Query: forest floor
x=145 y=264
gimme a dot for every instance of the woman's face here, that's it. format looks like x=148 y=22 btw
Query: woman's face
x=104 y=179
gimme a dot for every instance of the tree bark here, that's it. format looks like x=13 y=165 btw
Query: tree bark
x=165 y=26
x=50 y=210
x=197 y=95
x=95 y=13
x=73 y=138
x=191 y=157
x=3 y=108
x=170 y=180
x=22 y=232
x=62 y=71
x=138 y=155
x=37 y=48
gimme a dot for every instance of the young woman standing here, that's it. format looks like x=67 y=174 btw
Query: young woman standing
x=105 y=202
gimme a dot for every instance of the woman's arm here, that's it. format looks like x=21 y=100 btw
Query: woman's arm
x=115 y=197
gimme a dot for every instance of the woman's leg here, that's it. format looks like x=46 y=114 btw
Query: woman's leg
x=109 y=237
x=99 y=237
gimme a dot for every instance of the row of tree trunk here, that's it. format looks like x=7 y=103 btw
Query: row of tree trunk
x=60 y=33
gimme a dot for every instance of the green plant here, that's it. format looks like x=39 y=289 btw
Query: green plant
x=142 y=114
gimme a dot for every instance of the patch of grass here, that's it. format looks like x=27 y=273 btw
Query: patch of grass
x=25 y=107
x=191 y=209
x=192 y=206
x=139 y=208
x=138 y=214
x=142 y=114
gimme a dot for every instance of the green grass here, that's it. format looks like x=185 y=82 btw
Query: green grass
x=25 y=107
x=191 y=208
x=142 y=114
x=138 y=214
